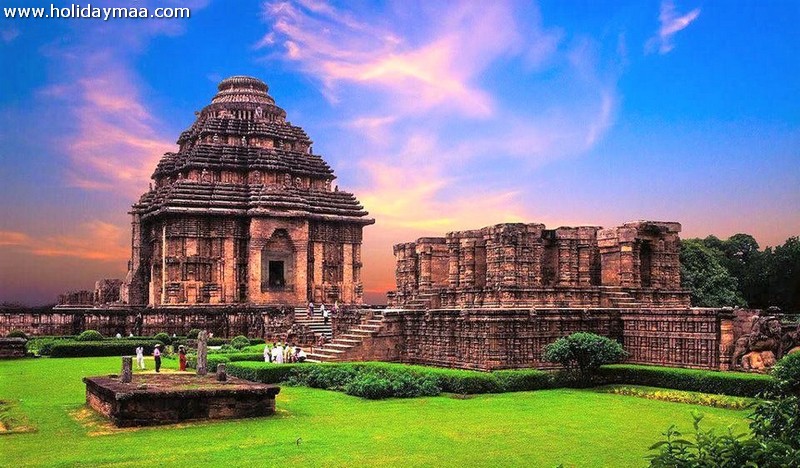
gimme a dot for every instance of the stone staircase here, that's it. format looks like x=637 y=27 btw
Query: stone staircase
x=316 y=324
x=618 y=298
x=421 y=301
x=343 y=346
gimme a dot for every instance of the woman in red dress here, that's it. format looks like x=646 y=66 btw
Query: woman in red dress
x=182 y=357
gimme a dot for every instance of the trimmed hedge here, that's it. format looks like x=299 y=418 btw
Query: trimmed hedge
x=382 y=380
x=16 y=333
x=215 y=359
x=100 y=348
x=724 y=383
x=90 y=335
x=262 y=372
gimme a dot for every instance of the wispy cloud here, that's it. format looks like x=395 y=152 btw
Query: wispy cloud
x=438 y=70
x=117 y=143
x=671 y=23
x=96 y=240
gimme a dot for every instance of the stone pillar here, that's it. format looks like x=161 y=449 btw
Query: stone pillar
x=202 y=353
x=347 y=287
x=228 y=281
x=452 y=263
x=425 y=268
x=317 y=274
x=726 y=339
x=222 y=374
x=127 y=369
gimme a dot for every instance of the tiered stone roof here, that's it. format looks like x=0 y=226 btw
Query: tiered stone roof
x=241 y=157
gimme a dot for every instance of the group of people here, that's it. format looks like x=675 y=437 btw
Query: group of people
x=280 y=354
x=326 y=314
x=157 y=357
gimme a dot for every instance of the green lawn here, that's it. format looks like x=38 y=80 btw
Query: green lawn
x=544 y=428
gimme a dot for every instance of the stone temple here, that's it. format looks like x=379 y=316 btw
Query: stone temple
x=244 y=213
x=242 y=227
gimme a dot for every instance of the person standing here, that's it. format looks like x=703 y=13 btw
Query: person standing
x=140 y=357
x=157 y=357
x=182 y=357
x=277 y=354
x=325 y=314
x=267 y=353
x=310 y=310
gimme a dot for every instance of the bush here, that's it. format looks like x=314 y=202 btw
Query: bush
x=99 y=348
x=257 y=341
x=787 y=374
x=90 y=335
x=725 y=383
x=523 y=380
x=774 y=440
x=240 y=342
x=163 y=338
x=192 y=335
x=263 y=372
x=216 y=341
x=17 y=334
x=583 y=352
x=381 y=380
x=371 y=386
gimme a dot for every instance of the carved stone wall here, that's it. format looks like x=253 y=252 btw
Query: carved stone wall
x=489 y=338
x=507 y=265
x=222 y=322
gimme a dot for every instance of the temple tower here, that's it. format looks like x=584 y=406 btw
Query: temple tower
x=244 y=212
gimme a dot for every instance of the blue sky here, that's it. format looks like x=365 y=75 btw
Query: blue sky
x=438 y=115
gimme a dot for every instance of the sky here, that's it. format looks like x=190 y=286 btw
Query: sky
x=440 y=115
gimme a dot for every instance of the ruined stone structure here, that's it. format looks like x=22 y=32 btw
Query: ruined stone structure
x=507 y=265
x=244 y=213
x=493 y=298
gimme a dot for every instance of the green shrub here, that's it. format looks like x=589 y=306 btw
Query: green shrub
x=42 y=345
x=240 y=342
x=370 y=385
x=256 y=348
x=216 y=341
x=787 y=373
x=192 y=335
x=257 y=341
x=17 y=334
x=523 y=380
x=329 y=376
x=725 y=383
x=163 y=338
x=583 y=353
x=774 y=440
x=90 y=335
x=99 y=348
x=263 y=372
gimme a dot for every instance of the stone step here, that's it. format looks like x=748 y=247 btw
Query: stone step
x=338 y=346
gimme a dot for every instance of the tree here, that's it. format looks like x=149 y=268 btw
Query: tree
x=704 y=275
x=784 y=277
x=584 y=352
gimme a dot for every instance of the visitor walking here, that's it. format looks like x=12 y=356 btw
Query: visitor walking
x=140 y=357
x=182 y=357
x=157 y=357
x=325 y=314
x=310 y=310
x=267 y=353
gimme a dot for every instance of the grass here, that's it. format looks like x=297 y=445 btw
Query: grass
x=323 y=428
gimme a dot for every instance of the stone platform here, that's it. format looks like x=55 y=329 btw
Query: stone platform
x=152 y=399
